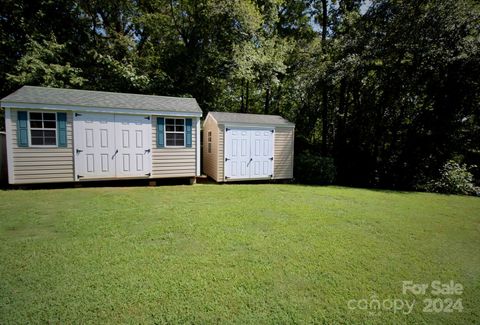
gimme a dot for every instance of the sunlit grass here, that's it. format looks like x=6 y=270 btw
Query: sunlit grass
x=231 y=253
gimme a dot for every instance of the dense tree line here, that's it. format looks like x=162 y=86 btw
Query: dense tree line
x=389 y=89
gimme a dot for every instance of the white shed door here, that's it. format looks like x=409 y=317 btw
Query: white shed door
x=248 y=153
x=133 y=135
x=111 y=145
x=94 y=139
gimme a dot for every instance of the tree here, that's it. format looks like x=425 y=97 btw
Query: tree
x=42 y=65
x=390 y=91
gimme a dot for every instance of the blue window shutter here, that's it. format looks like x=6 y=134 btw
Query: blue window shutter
x=22 y=129
x=160 y=132
x=188 y=132
x=62 y=129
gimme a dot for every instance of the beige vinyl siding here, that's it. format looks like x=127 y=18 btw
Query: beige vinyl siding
x=221 y=155
x=283 y=161
x=210 y=160
x=173 y=162
x=42 y=164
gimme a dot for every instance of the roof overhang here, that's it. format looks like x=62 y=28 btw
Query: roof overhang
x=249 y=125
x=75 y=108
x=256 y=125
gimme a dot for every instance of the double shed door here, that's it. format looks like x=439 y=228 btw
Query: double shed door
x=248 y=153
x=112 y=145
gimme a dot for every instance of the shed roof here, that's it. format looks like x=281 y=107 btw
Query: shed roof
x=243 y=118
x=103 y=99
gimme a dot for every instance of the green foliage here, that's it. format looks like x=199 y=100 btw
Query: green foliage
x=125 y=74
x=314 y=169
x=42 y=65
x=454 y=178
x=246 y=254
x=388 y=88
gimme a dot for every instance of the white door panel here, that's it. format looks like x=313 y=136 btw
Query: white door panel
x=238 y=153
x=94 y=138
x=248 y=153
x=133 y=134
x=262 y=147
x=112 y=145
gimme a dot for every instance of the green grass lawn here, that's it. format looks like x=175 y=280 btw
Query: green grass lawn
x=233 y=253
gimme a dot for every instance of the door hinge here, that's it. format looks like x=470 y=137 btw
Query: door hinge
x=273 y=131
x=147 y=118
x=79 y=176
x=78 y=151
x=270 y=176
x=227 y=159
x=227 y=129
x=226 y=177
x=78 y=114
x=147 y=150
x=148 y=174
x=271 y=158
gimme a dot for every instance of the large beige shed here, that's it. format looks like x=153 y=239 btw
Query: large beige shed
x=240 y=147
x=66 y=135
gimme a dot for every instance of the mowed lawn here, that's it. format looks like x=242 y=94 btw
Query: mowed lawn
x=233 y=254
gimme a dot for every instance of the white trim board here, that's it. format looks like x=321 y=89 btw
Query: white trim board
x=29 y=130
x=198 y=144
x=9 y=143
x=209 y=116
x=255 y=126
x=184 y=134
x=100 y=109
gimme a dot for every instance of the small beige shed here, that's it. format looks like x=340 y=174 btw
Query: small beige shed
x=239 y=147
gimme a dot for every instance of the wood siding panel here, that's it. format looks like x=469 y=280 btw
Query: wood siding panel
x=173 y=162
x=221 y=149
x=42 y=165
x=283 y=163
x=210 y=160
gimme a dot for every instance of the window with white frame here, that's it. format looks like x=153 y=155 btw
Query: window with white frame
x=175 y=132
x=209 y=142
x=43 y=129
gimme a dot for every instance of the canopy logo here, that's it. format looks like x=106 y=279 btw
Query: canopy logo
x=435 y=288
x=442 y=300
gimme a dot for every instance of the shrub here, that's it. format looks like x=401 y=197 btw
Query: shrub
x=454 y=179
x=314 y=169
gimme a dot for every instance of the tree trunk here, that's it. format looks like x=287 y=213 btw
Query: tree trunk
x=324 y=146
x=342 y=116
x=324 y=120
x=277 y=100
x=267 y=100
x=324 y=22
x=242 y=106
x=246 y=97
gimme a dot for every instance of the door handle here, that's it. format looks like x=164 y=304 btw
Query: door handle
x=116 y=151
x=249 y=161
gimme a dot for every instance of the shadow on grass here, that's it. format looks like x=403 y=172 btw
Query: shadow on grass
x=365 y=188
x=103 y=183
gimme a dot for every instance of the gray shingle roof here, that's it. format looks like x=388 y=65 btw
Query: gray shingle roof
x=224 y=117
x=101 y=99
